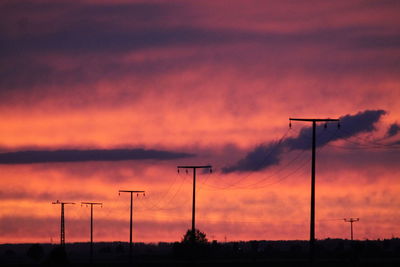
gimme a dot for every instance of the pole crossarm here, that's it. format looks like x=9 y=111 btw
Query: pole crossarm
x=91 y=203
x=316 y=120
x=195 y=167
x=62 y=202
x=351 y=219
x=131 y=191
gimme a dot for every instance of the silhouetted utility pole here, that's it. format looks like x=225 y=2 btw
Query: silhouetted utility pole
x=194 y=191
x=130 y=227
x=62 y=232
x=351 y=220
x=91 y=224
x=312 y=217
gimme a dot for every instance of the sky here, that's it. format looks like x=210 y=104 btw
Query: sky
x=100 y=96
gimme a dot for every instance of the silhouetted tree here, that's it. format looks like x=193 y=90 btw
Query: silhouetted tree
x=193 y=245
x=196 y=237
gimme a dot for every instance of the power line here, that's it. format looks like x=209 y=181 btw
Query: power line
x=364 y=142
x=156 y=204
x=235 y=185
x=256 y=184
x=160 y=205
x=261 y=185
x=259 y=165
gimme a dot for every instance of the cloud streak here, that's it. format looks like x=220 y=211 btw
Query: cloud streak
x=269 y=154
x=45 y=156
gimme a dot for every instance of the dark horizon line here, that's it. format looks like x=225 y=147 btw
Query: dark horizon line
x=233 y=241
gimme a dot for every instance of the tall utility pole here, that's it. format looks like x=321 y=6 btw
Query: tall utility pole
x=194 y=192
x=91 y=224
x=62 y=232
x=351 y=220
x=130 y=227
x=312 y=217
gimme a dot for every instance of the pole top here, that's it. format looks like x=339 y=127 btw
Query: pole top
x=351 y=219
x=308 y=119
x=194 y=167
x=91 y=203
x=61 y=202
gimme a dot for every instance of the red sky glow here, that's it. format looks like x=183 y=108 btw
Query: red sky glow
x=198 y=82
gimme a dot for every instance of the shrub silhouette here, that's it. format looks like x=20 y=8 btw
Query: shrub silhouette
x=193 y=245
x=197 y=237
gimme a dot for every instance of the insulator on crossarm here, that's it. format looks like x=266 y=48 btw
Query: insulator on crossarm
x=338 y=125
x=325 y=125
x=187 y=171
x=290 y=125
x=210 y=170
x=178 y=171
x=144 y=194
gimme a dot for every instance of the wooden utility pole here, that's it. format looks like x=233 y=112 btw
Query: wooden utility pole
x=91 y=224
x=312 y=210
x=194 y=168
x=130 y=225
x=351 y=220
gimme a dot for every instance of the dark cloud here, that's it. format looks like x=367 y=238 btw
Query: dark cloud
x=350 y=125
x=393 y=130
x=267 y=155
x=96 y=37
x=24 y=71
x=45 y=156
x=261 y=156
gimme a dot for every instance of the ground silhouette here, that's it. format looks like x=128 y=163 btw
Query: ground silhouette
x=330 y=252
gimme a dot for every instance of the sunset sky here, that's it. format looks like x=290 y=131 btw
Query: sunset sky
x=102 y=95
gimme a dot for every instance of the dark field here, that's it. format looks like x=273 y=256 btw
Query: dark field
x=330 y=252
